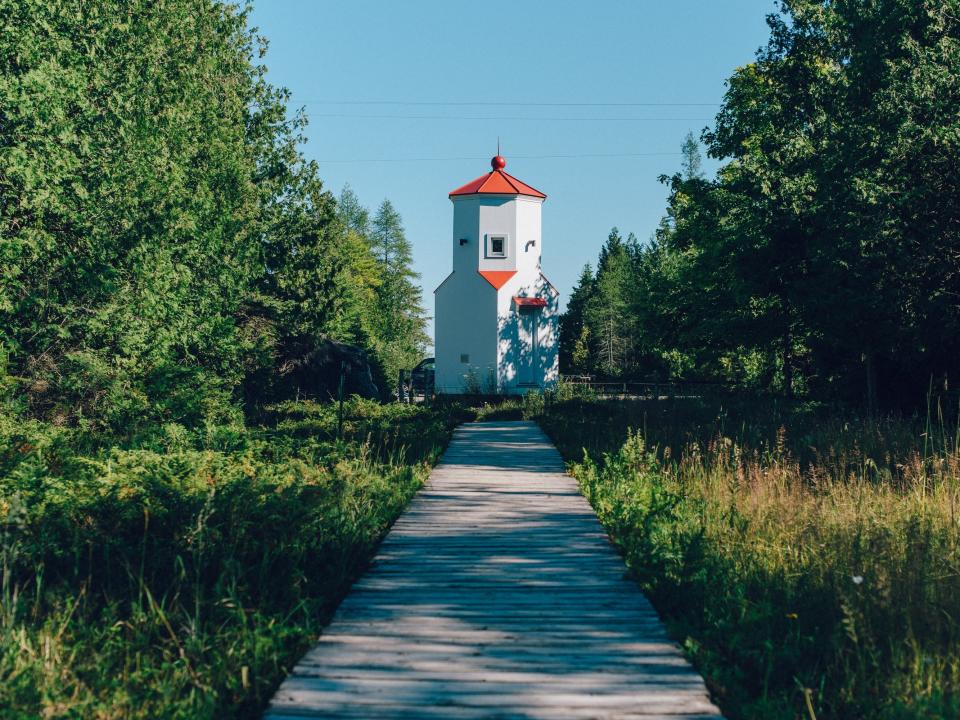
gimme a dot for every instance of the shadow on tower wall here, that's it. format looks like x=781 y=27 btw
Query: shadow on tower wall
x=513 y=345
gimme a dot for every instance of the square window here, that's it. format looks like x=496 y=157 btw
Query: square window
x=496 y=245
x=464 y=358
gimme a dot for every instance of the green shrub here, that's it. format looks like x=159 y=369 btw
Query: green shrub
x=182 y=577
x=812 y=559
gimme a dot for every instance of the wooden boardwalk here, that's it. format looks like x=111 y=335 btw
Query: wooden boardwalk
x=495 y=595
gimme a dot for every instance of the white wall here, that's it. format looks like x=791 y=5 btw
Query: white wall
x=476 y=216
x=498 y=216
x=465 y=323
x=472 y=318
x=511 y=336
x=466 y=221
x=528 y=233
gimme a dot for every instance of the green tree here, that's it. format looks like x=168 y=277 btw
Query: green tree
x=692 y=161
x=574 y=345
x=352 y=214
x=606 y=311
x=849 y=111
x=321 y=276
x=580 y=355
x=399 y=321
x=161 y=236
x=140 y=141
x=822 y=258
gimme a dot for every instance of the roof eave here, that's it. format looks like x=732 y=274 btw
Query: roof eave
x=477 y=185
x=490 y=194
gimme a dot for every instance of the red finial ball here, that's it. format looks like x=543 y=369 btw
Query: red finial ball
x=498 y=162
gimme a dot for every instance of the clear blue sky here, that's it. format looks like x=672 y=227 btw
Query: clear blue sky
x=406 y=100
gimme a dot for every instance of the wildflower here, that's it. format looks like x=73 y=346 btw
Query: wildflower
x=857 y=579
x=792 y=616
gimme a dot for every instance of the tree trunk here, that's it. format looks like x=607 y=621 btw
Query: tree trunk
x=788 y=357
x=871 y=373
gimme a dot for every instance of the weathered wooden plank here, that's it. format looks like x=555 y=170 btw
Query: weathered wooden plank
x=401 y=583
x=561 y=596
x=551 y=660
x=542 y=631
x=487 y=676
x=546 y=644
x=496 y=595
x=420 y=712
x=502 y=614
x=324 y=695
x=498 y=591
x=553 y=565
x=325 y=698
x=496 y=671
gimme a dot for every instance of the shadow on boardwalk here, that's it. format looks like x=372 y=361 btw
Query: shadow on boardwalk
x=495 y=595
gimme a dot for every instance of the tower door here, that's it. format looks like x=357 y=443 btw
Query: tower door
x=529 y=365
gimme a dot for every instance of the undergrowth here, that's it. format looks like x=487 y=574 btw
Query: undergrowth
x=806 y=558
x=180 y=575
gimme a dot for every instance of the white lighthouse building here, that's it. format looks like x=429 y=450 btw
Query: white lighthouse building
x=496 y=313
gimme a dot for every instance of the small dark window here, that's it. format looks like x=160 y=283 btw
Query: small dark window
x=464 y=358
x=496 y=245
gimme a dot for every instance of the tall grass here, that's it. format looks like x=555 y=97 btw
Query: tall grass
x=807 y=558
x=181 y=575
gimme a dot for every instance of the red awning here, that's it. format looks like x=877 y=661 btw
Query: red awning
x=530 y=302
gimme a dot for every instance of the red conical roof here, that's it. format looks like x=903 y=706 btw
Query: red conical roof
x=497 y=182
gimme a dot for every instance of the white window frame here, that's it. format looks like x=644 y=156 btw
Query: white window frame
x=506 y=244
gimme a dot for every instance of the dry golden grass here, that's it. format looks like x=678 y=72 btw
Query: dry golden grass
x=808 y=561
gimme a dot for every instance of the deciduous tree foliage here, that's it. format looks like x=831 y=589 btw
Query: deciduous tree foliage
x=132 y=178
x=161 y=236
x=824 y=257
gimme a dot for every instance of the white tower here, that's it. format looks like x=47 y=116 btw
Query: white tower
x=496 y=313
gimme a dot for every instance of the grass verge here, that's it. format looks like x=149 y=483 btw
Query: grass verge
x=181 y=575
x=806 y=558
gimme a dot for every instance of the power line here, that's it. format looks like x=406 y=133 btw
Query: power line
x=438 y=103
x=512 y=157
x=504 y=117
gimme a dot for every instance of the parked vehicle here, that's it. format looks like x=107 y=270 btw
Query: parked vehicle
x=417 y=382
x=421 y=377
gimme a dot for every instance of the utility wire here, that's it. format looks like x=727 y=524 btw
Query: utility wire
x=503 y=117
x=512 y=157
x=308 y=101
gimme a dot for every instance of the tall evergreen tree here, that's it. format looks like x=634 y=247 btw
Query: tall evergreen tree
x=352 y=214
x=692 y=161
x=606 y=311
x=613 y=245
x=322 y=277
x=574 y=335
x=400 y=320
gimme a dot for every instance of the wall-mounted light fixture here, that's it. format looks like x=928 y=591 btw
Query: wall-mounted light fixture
x=463 y=241
x=530 y=244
